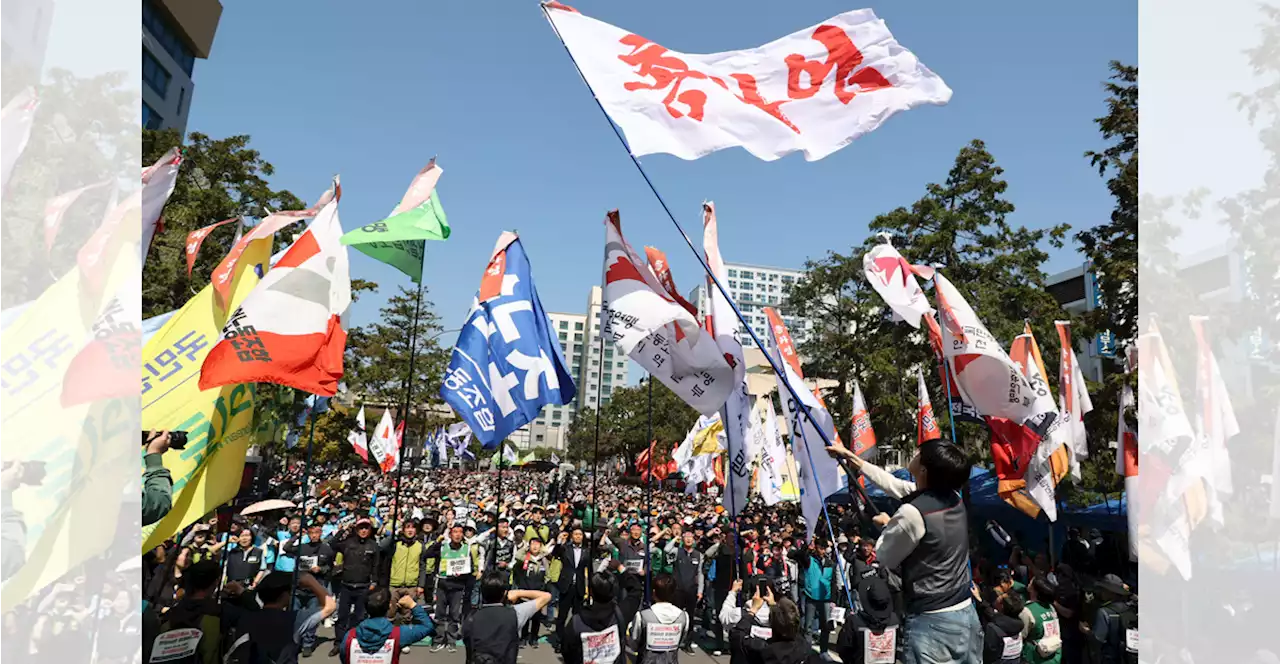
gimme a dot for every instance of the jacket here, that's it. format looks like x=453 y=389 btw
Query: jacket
x=360 y=560
x=321 y=552
x=594 y=618
x=1001 y=631
x=572 y=576
x=408 y=561
x=818 y=574
x=372 y=633
x=157 y=489
x=773 y=651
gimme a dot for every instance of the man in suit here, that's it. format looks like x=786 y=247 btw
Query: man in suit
x=575 y=568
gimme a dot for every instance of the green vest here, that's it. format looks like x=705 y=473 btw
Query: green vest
x=1046 y=620
x=404 y=564
x=458 y=567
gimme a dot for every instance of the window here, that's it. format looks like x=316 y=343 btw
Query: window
x=158 y=24
x=150 y=119
x=591 y=399
x=733 y=284
x=733 y=273
x=156 y=76
x=538 y=438
x=786 y=279
x=606 y=390
x=620 y=377
x=622 y=365
x=595 y=363
x=555 y=415
x=564 y=324
x=577 y=326
x=608 y=353
x=577 y=348
x=608 y=378
x=746 y=286
x=747 y=275
x=773 y=277
x=564 y=336
x=182 y=98
x=577 y=336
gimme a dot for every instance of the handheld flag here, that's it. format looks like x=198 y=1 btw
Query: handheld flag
x=659 y=334
x=400 y=240
x=382 y=445
x=358 y=438
x=158 y=183
x=290 y=329
x=893 y=278
x=926 y=427
x=814 y=90
x=509 y=455
x=1127 y=454
x=1073 y=399
x=507 y=363
x=864 y=436
x=196 y=238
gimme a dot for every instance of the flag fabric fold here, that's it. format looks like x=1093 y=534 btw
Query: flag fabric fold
x=864 y=435
x=400 y=239
x=926 y=426
x=662 y=270
x=358 y=437
x=158 y=183
x=382 y=446
x=815 y=90
x=507 y=363
x=893 y=278
x=196 y=238
x=1073 y=399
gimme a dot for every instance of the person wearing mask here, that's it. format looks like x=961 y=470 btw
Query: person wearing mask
x=782 y=643
x=1042 y=640
x=575 y=569
x=531 y=572
x=659 y=631
x=818 y=578
x=492 y=634
x=597 y=633
x=157 y=483
x=1002 y=631
x=870 y=634
x=686 y=566
x=361 y=559
x=457 y=566
x=275 y=633
x=408 y=567
x=246 y=563
x=928 y=539
x=376 y=639
x=1113 y=638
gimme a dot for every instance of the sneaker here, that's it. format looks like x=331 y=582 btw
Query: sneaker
x=716 y=653
x=308 y=651
x=437 y=647
x=404 y=650
x=451 y=648
x=335 y=650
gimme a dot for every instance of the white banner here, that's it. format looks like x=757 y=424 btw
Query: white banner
x=814 y=90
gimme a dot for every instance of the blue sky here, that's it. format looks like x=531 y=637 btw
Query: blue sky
x=372 y=90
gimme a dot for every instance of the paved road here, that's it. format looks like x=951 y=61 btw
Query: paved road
x=543 y=654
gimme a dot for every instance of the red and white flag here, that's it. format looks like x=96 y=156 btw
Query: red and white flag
x=893 y=278
x=819 y=473
x=56 y=209
x=1127 y=456
x=158 y=182
x=196 y=238
x=660 y=335
x=926 y=426
x=662 y=270
x=984 y=375
x=1215 y=423
x=358 y=438
x=1073 y=399
x=1171 y=472
x=290 y=329
x=814 y=90
x=382 y=444
x=864 y=436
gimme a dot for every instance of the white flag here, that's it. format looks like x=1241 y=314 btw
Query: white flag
x=555 y=459
x=764 y=436
x=1073 y=399
x=382 y=446
x=814 y=90
x=655 y=331
x=1162 y=417
x=722 y=323
x=1127 y=456
x=158 y=182
x=1215 y=423
x=442 y=447
x=358 y=438
x=892 y=277
x=819 y=473
x=985 y=376
x=509 y=454
x=15 y=130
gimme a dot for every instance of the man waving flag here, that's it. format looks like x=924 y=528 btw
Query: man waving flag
x=507 y=362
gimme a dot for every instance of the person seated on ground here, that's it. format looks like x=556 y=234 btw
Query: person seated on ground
x=376 y=635
x=784 y=643
x=492 y=634
x=660 y=630
x=870 y=634
x=597 y=632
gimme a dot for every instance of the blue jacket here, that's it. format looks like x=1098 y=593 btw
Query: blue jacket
x=372 y=633
x=819 y=574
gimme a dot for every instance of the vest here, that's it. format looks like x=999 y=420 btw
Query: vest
x=244 y=564
x=658 y=642
x=535 y=572
x=503 y=549
x=1011 y=644
x=284 y=562
x=455 y=562
x=494 y=630
x=1044 y=639
x=936 y=574
x=389 y=653
x=685 y=568
x=271 y=637
x=1122 y=648
x=605 y=646
x=405 y=564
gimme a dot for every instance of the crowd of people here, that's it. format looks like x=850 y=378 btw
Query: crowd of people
x=603 y=569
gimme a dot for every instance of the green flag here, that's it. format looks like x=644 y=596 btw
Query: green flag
x=400 y=240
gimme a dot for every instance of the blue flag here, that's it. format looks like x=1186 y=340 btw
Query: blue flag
x=507 y=363
x=312 y=404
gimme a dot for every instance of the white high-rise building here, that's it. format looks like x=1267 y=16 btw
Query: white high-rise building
x=754 y=287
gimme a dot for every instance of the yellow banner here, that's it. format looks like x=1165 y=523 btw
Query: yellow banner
x=707 y=441
x=218 y=421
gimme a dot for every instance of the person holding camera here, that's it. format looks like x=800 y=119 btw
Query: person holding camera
x=157 y=483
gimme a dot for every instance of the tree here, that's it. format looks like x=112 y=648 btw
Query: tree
x=625 y=422
x=219 y=179
x=963 y=225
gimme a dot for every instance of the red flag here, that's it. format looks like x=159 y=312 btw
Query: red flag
x=662 y=270
x=926 y=427
x=864 y=437
x=1011 y=451
x=196 y=238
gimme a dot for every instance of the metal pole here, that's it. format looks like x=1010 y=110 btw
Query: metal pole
x=497 y=507
x=595 y=457
x=648 y=499
x=306 y=483
x=408 y=400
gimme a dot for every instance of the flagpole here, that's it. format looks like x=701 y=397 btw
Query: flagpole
x=306 y=482
x=408 y=401
x=648 y=498
x=497 y=507
x=804 y=408
x=595 y=457
x=946 y=373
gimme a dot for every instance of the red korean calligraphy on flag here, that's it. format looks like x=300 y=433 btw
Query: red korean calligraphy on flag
x=864 y=436
x=358 y=438
x=196 y=238
x=290 y=329
x=894 y=279
x=662 y=270
x=926 y=426
x=815 y=90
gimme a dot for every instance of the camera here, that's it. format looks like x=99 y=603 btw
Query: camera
x=177 y=439
x=32 y=472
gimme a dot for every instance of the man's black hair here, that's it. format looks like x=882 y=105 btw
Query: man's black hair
x=601 y=585
x=946 y=465
x=503 y=519
x=273 y=586
x=1046 y=592
x=664 y=588
x=784 y=620
x=201 y=576
x=378 y=603
x=493 y=588
x=1011 y=605
x=1002 y=577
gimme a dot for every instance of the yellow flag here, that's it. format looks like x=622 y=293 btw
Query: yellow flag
x=218 y=421
x=707 y=441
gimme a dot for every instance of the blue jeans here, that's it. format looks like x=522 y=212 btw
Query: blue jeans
x=305 y=603
x=820 y=609
x=952 y=637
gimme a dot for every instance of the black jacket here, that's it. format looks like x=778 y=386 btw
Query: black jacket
x=360 y=559
x=773 y=651
x=568 y=572
x=993 y=633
